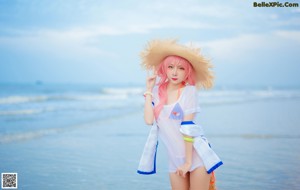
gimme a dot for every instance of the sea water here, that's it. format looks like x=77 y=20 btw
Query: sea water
x=28 y=110
x=91 y=136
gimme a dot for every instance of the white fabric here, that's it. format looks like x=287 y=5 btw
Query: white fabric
x=169 y=129
x=210 y=159
x=191 y=130
x=147 y=162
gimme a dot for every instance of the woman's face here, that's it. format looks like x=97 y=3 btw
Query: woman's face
x=176 y=73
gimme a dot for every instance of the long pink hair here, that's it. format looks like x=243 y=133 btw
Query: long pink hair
x=190 y=78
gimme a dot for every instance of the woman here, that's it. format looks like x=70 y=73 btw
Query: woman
x=172 y=104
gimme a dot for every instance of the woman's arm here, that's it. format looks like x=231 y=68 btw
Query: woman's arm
x=148 y=108
x=182 y=170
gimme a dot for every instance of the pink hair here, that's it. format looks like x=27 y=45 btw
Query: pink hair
x=190 y=78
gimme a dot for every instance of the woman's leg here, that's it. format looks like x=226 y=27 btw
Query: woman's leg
x=199 y=179
x=178 y=182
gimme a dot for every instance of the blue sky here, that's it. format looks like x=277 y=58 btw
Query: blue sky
x=90 y=41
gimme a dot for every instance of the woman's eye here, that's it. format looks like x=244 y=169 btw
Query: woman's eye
x=181 y=68
x=170 y=67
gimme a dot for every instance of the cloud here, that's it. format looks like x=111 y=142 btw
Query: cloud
x=206 y=17
x=156 y=15
x=244 y=46
x=56 y=42
x=293 y=36
x=82 y=38
x=270 y=58
x=85 y=34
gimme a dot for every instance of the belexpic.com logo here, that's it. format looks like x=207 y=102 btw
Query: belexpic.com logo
x=275 y=4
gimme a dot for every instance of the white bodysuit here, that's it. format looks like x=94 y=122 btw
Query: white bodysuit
x=169 y=122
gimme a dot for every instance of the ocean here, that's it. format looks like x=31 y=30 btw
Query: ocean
x=33 y=110
x=63 y=136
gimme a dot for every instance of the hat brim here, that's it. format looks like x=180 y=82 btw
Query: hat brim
x=157 y=50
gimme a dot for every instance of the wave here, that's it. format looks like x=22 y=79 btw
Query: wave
x=22 y=99
x=124 y=91
x=243 y=96
x=28 y=135
x=101 y=109
x=79 y=95
x=92 y=97
x=38 y=99
x=21 y=112
x=115 y=97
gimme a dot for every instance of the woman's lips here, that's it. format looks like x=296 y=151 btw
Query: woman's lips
x=174 y=78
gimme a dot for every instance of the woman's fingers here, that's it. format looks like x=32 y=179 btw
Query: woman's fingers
x=153 y=71
x=152 y=77
x=150 y=82
x=180 y=173
x=149 y=73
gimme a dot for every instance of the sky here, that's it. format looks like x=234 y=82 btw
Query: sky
x=99 y=41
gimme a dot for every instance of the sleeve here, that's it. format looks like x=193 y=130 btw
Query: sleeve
x=191 y=101
x=155 y=96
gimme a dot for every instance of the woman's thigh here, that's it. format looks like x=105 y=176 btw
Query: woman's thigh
x=199 y=179
x=178 y=182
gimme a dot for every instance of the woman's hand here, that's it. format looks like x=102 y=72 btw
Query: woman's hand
x=182 y=170
x=150 y=82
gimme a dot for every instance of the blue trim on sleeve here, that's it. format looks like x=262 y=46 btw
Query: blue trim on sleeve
x=154 y=168
x=187 y=122
x=146 y=173
x=214 y=167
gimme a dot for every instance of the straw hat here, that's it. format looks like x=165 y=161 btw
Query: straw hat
x=157 y=50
